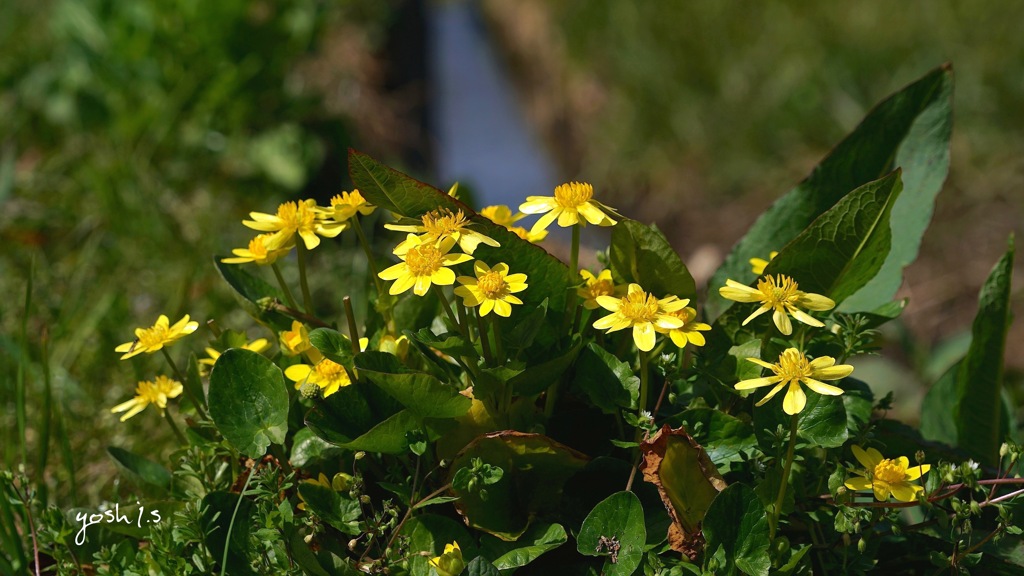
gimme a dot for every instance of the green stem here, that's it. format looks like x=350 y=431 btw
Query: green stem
x=551 y=398
x=174 y=427
x=484 y=340
x=352 y=329
x=307 y=299
x=464 y=318
x=231 y=525
x=372 y=263
x=499 y=347
x=448 y=310
x=773 y=523
x=644 y=381
x=574 y=275
x=284 y=286
x=188 y=391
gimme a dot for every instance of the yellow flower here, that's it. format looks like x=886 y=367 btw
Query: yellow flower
x=437 y=225
x=260 y=345
x=154 y=338
x=292 y=218
x=690 y=331
x=396 y=346
x=792 y=369
x=641 y=311
x=146 y=393
x=531 y=236
x=347 y=204
x=296 y=341
x=778 y=293
x=600 y=285
x=572 y=204
x=256 y=252
x=492 y=289
x=423 y=264
x=502 y=215
x=887 y=476
x=327 y=375
x=757 y=265
x=449 y=563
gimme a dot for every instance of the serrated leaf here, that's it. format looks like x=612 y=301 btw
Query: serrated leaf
x=980 y=419
x=248 y=401
x=737 y=525
x=910 y=130
x=615 y=529
x=643 y=255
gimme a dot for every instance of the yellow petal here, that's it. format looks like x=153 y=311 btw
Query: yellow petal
x=816 y=302
x=822 y=388
x=804 y=317
x=858 y=483
x=757 y=382
x=538 y=204
x=833 y=372
x=795 y=400
x=905 y=492
x=402 y=284
x=782 y=322
x=644 y=336
x=918 y=471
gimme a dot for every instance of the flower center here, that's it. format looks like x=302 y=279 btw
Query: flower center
x=687 y=315
x=154 y=336
x=257 y=248
x=792 y=365
x=329 y=372
x=639 y=307
x=600 y=288
x=423 y=260
x=778 y=290
x=443 y=223
x=296 y=216
x=573 y=194
x=891 y=471
x=492 y=284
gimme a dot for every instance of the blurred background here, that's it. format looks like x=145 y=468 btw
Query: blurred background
x=135 y=137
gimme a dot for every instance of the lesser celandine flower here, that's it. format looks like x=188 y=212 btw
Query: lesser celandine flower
x=150 y=392
x=259 y=346
x=690 y=331
x=347 y=204
x=339 y=483
x=502 y=215
x=437 y=225
x=396 y=346
x=642 y=312
x=423 y=264
x=292 y=218
x=781 y=294
x=327 y=375
x=492 y=289
x=757 y=265
x=531 y=236
x=450 y=563
x=296 y=341
x=256 y=252
x=152 y=339
x=886 y=476
x=792 y=369
x=600 y=285
x=573 y=203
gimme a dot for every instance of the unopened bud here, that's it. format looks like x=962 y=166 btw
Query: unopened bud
x=1004 y=449
x=353 y=543
x=359 y=455
x=862 y=545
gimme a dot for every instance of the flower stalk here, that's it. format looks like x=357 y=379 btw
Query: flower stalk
x=773 y=520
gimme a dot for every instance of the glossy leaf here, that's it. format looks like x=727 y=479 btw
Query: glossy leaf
x=249 y=401
x=609 y=383
x=332 y=507
x=481 y=567
x=535 y=469
x=541 y=537
x=334 y=345
x=615 y=529
x=538 y=376
x=909 y=130
x=736 y=528
x=724 y=437
x=218 y=510
x=420 y=393
x=822 y=422
x=980 y=419
x=252 y=293
x=428 y=534
x=641 y=254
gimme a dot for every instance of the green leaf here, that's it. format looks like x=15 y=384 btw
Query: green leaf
x=481 y=567
x=349 y=413
x=980 y=420
x=534 y=467
x=308 y=449
x=218 y=508
x=539 y=376
x=936 y=423
x=846 y=246
x=249 y=401
x=541 y=537
x=615 y=529
x=334 y=345
x=388 y=437
x=428 y=534
x=451 y=344
x=609 y=383
x=420 y=393
x=339 y=511
x=140 y=469
x=252 y=293
x=910 y=130
x=725 y=438
x=736 y=526
x=193 y=381
x=822 y=421
x=642 y=254
x=526 y=327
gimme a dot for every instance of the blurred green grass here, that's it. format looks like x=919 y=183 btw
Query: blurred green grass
x=134 y=137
